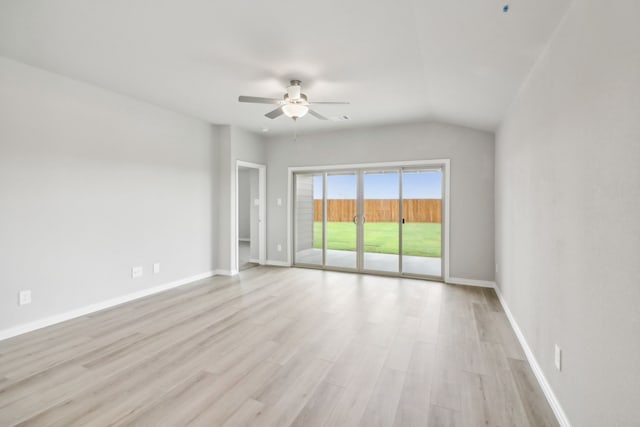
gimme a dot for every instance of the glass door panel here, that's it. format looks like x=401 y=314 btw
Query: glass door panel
x=309 y=214
x=381 y=211
x=422 y=222
x=341 y=220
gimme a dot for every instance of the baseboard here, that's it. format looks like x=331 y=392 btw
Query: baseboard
x=471 y=282
x=226 y=272
x=244 y=239
x=254 y=260
x=537 y=370
x=278 y=263
x=58 y=318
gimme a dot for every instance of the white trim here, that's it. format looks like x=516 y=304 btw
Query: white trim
x=447 y=218
x=254 y=260
x=226 y=272
x=82 y=311
x=262 y=214
x=278 y=263
x=445 y=164
x=471 y=282
x=563 y=420
x=434 y=162
x=290 y=243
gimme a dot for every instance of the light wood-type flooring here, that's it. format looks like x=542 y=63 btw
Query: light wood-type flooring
x=278 y=347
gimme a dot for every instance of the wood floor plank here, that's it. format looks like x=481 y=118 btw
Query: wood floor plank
x=358 y=388
x=218 y=412
x=400 y=353
x=536 y=406
x=443 y=417
x=247 y=415
x=383 y=403
x=278 y=346
x=413 y=405
x=319 y=406
x=289 y=393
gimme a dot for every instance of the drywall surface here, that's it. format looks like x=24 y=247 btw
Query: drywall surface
x=471 y=153
x=568 y=210
x=92 y=184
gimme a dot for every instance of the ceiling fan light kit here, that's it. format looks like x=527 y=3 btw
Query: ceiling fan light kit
x=295 y=111
x=294 y=104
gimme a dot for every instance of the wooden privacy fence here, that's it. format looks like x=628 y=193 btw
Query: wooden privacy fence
x=381 y=210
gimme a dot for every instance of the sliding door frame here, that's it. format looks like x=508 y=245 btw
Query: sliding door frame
x=443 y=164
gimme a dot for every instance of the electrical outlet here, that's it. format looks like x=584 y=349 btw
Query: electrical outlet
x=156 y=268
x=558 y=358
x=136 y=272
x=256 y=202
x=279 y=201
x=24 y=297
x=279 y=247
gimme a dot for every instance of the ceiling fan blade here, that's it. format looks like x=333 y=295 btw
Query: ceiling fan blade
x=275 y=113
x=317 y=115
x=259 y=100
x=330 y=102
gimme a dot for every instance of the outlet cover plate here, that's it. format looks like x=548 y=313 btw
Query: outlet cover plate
x=24 y=297
x=136 y=272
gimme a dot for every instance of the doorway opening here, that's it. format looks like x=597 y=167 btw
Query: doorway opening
x=250 y=213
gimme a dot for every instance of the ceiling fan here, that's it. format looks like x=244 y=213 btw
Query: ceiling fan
x=294 y=104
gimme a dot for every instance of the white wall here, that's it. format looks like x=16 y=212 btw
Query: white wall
x=568 y=212
x=91 y=184
x=472 y=203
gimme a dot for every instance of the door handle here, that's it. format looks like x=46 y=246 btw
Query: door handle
x=364 y=219
x=355 y=219
x=403 y=220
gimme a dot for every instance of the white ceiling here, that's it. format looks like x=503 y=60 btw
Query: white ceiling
x=457 y=61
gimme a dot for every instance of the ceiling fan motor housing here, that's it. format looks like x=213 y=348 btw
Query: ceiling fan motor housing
x=293 y=91
x=302 y=99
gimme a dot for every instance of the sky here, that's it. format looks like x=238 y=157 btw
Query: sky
x=421 y=185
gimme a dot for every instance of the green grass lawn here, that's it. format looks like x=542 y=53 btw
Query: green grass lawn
x=420 y=239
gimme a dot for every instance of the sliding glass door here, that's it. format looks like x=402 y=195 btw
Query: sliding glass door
x=384 y=220
x=422 y=222
x=342 y=220
x=381 y=220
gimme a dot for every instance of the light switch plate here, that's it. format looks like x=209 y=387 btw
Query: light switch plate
x=156 y=268
x=558 y=358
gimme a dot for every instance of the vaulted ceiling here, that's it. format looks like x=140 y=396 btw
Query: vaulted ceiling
x=404 y=60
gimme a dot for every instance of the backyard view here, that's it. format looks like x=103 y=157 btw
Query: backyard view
x=377 y=208
x=420 y=239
